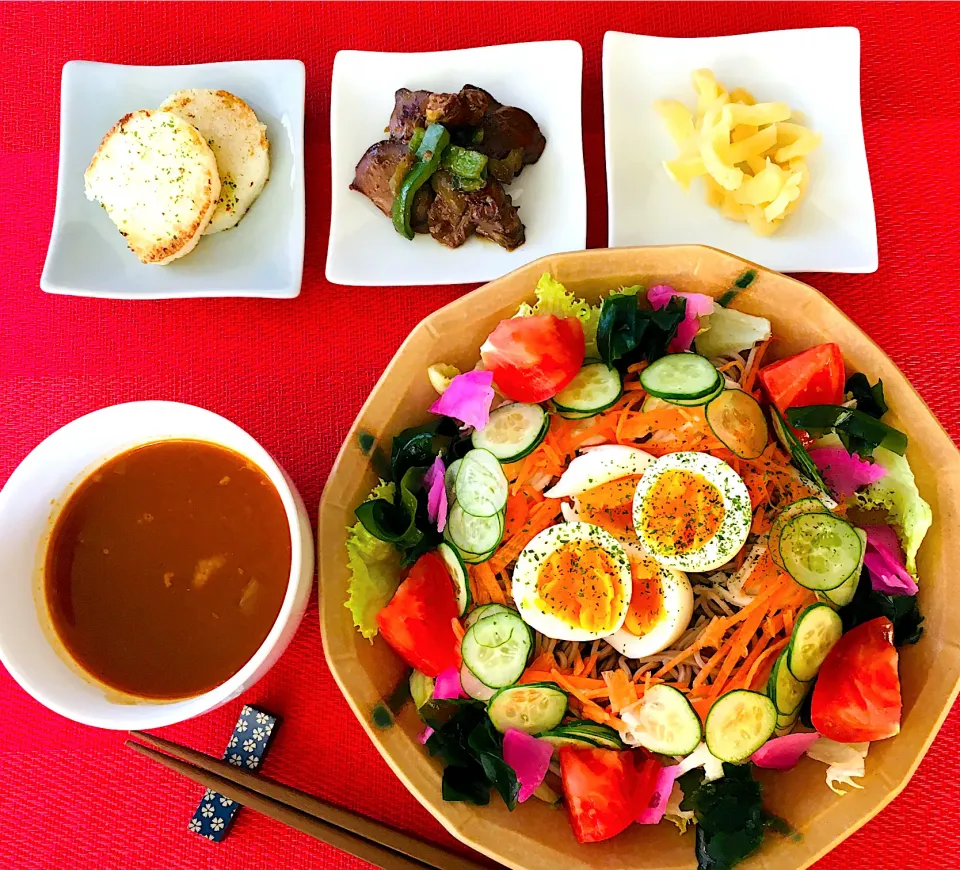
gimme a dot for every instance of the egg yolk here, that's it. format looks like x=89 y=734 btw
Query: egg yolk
x=646 y=601
x=578 y=584
x=683 y=511
x=610 y=505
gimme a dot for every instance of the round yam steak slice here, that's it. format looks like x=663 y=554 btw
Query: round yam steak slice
x=239 y=142
x=156 y=177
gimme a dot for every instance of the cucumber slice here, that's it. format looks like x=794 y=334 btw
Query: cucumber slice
x=652 y=403
x=482 y=612
x=473 y=687
x=481 y=487
x=683 y=376
x=476 y=558
x=450 y=480
x=473 y=536
x=576 y=415
x=560 y=737
x=784 y=689
x=703 y=400
x=458 y=575
x=786 y=722
x=809 y=505
x=530 y=708
x=817 y=629
x=738 y=724
x=513 y=431
x=594 y=389
x=421 y=688
x=843 y=594
x=496 y=649
x=737 y=420
x=603 y=735
x=548 y=796
x=820 y=551
x=666 y=722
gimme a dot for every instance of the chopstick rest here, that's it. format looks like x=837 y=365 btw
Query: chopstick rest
x=246 y=748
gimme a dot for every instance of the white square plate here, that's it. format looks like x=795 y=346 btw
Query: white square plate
x=543 y=78
x=261 y=256
x=816 y=72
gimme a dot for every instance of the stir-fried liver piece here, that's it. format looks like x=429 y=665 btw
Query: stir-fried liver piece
x=509 y=136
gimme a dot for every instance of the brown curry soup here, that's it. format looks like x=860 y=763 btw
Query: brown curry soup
x=167 y=567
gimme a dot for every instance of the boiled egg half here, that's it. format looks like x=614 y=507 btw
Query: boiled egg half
x=691 y=511
x=599 y=465
x=601 y=482
x=661 y=606
x=573 y=582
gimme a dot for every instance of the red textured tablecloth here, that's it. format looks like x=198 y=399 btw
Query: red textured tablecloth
x=294 y=373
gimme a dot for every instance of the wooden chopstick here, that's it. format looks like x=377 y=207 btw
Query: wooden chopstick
x=372 y=841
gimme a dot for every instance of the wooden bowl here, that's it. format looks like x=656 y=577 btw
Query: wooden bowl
x=534 y=836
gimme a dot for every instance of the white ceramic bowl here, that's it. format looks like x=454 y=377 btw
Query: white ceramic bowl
x=29 y=502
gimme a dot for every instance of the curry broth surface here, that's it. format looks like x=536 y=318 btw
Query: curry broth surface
x=167 y=568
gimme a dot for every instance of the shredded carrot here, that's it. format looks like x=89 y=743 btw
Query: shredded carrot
x=543 y=515
x=750 y=681
x=750 y=375
x=577 y=665
x=679 y=659
x=773 y=625
x=709 y=666
x=457 y=630
x=702 y=706
x=543 y=662
x=622 y=691
x=640 y=425
x=590 y=709
x=518 y=510
x=506 y=582
x=487 y=589
x=536 y=676
x=740 y=681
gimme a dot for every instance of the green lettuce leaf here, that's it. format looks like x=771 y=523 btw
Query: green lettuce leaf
x=897 y=494
x=374 y=570
x=553 y=298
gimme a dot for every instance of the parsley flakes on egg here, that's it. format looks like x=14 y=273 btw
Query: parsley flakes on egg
x=692 y=511
x=573 y=582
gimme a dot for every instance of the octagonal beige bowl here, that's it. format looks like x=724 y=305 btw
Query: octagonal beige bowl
x=535 y=837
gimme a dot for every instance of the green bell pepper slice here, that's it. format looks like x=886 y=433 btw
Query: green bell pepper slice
x=464 y=163
x=428 y=157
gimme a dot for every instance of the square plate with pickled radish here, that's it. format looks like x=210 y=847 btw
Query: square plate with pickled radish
x=815 y=71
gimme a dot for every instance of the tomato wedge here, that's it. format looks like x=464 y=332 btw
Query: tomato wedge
x=533 y=358
x=418 y=621
x=605 y=790
x=857 y=695
x=814 y=377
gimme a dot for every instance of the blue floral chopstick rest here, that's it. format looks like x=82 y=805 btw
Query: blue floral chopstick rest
x=246 y=749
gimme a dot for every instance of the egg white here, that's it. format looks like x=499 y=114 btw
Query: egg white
x=597 y=466
x=678 y=611
x=733 y=531
x=527 y=570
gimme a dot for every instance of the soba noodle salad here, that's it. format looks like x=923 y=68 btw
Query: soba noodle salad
x=639 y=550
